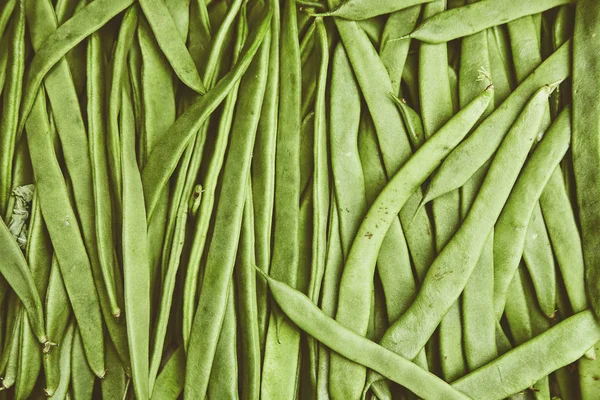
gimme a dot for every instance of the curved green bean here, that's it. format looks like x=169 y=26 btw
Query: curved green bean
x=475 y=17
x=102 y=202
x=62 y=389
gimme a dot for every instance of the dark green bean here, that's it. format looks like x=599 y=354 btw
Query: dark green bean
x=169 y=383
x=82 y=378
x=364 y=9
x=585 y=145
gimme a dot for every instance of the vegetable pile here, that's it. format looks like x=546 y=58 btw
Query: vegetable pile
x=281 y=199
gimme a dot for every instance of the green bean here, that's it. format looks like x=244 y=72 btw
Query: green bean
x=360 y=263
x=135 y=254
x=412 y=121
x=511 y=228
x=123 y=44
x=171 y=43
x=539 y=260
x=91 y=18
x=58 y=312
x=355 y=347
x=170 y=381
x=525 y=46
x=280 y=365
x=221 y=253
x=102 y=203
x=65 y=235
x=134 y=62
x=114 y=383
x=10 y=104
x=475 y=17
x=65 y=349
x=10 y=373
x=470 y=155
x=82 y=378
x=565 y=239
x=214 y=168
x=517 y=311
x=393 y=50
x=362 y=9
x=223 y=382
x=245 y=278
x=345 y=160
x=15 y=270
x=331 y=279
x=263 y=171
x=567 y=341
x=163 y=160
x=585 y=155
x=457 y=260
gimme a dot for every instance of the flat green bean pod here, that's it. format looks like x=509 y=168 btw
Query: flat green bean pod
x=91 y=18
x=473 y=152
x=364 y=9
x=355 y=347
x=475 y=17
x=524 y=365
x=451 y=270
x=511 y=228
x=136 y=279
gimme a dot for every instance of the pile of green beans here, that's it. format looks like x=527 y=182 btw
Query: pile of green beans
x=299 y=199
